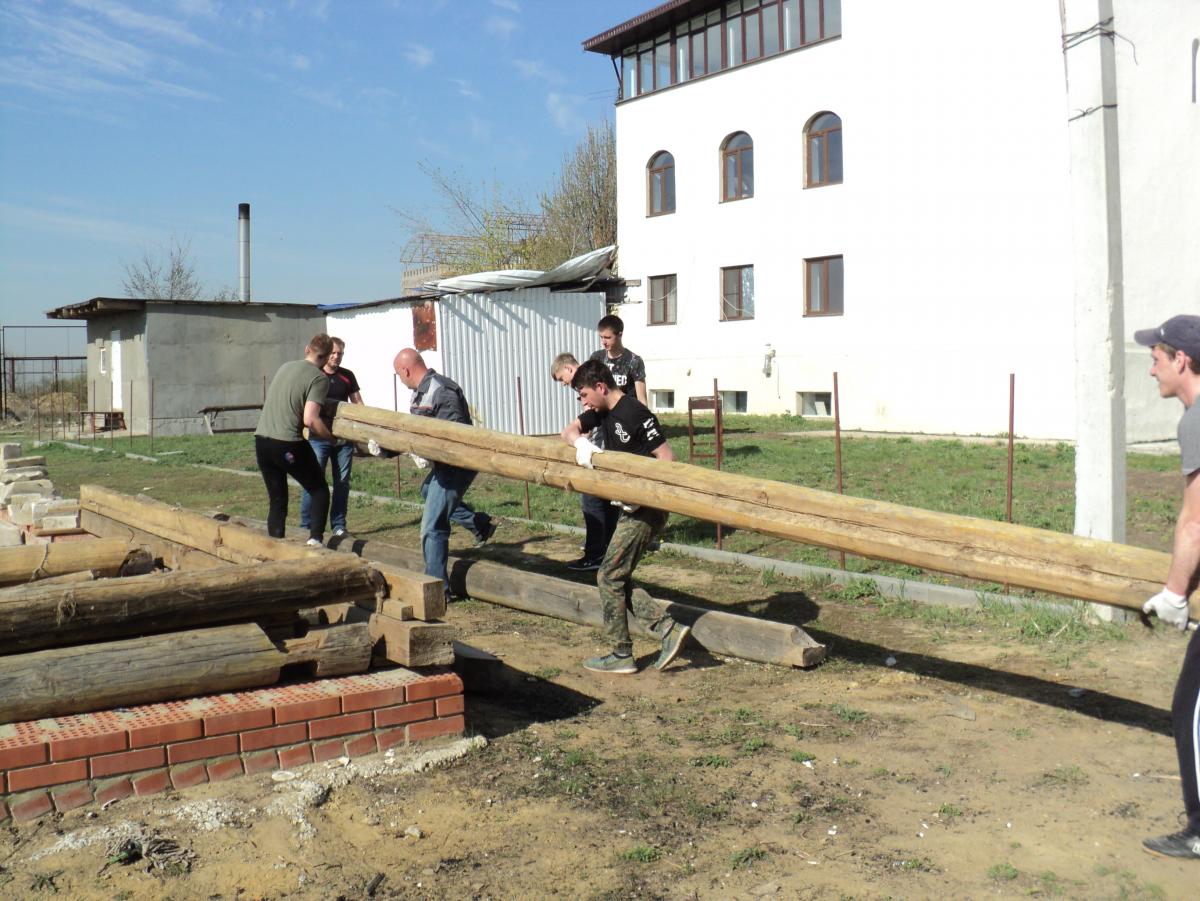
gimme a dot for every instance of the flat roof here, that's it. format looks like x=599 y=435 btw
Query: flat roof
x=647 y=25
x=108 y=306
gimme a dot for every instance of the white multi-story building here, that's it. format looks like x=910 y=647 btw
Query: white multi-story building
x=923 y=197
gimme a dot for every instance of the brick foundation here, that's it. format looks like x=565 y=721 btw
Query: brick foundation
x=70 y=761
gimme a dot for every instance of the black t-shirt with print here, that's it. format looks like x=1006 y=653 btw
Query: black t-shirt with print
x=629 y=426
x=626 y=368
x=341 y=385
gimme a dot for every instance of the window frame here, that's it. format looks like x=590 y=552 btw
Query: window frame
x=741 y=301
x=651 y=170
x=671 y=309
x=825 y=281
x=737 y=154
x=809 y=137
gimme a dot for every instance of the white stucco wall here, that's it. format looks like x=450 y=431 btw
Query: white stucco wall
x=953 y=221
x=1160 y=187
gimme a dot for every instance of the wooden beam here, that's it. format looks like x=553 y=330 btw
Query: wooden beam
x=174 y=555
x=727 y=634
x=111 y=608
x=1063 y=564
x=32 y=562
x=423 y=596
x=403 y=642
x=145 y=670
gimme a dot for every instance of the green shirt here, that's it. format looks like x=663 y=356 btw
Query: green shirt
x=283 y=411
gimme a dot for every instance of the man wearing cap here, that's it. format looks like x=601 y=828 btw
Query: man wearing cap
x=1175 y=349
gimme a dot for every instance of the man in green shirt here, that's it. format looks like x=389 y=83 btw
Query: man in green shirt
x=294 y=402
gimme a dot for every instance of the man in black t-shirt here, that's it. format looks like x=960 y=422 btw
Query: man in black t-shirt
x=343 y=388
x=628 y=369
x=629 y=427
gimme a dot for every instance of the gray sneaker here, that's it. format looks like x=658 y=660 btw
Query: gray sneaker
x=612 y=663
x=1178 y=844
x=672 y=644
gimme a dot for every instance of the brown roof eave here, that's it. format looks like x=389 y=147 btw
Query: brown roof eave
x=646 y=25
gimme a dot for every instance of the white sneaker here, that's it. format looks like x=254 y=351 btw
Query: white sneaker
x=314 y=542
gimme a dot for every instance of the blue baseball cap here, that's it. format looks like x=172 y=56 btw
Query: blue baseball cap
x=1181 y=332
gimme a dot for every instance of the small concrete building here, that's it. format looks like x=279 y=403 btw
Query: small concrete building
x=190 y=354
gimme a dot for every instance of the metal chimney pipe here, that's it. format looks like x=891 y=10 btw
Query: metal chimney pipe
x=244 y=248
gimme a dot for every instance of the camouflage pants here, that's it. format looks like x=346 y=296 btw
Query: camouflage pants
x=634 y=533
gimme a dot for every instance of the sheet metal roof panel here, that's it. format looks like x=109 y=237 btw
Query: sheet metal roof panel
x=647 y=25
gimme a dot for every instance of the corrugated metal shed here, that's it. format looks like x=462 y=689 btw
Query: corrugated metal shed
x=484 y=341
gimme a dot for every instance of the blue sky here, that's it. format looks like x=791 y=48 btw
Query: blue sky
x=123 y=123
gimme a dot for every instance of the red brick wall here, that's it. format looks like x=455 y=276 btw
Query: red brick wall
x=69 y=761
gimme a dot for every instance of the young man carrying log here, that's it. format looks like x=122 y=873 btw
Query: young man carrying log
x=629 y=427
x=1175 y=349
x=294 y=402
x=437 y=396
x=599 y=516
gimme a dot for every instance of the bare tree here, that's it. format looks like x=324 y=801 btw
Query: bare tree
x=485 y=229
x=167 y=273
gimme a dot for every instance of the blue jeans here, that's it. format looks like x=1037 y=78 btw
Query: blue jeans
x=343 y=458
x=443 y=491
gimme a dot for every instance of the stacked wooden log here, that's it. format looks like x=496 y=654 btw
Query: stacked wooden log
x=1084 y=568
x=88 y=625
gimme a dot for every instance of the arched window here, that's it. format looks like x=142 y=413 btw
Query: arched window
x=660 y=184
x=737 y=167
x=824 y=142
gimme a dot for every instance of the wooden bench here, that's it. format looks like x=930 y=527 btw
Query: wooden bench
x=110 y=420
x=210 y=415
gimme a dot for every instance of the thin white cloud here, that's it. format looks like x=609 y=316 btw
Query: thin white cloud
x=500 y=27
x=564 y=109
x=328 y=98
x=480 y=129
x=133 y=20
x=93 y=227
x=200 y=9
x=511 y=5
x=419 y=55
x=533 y=68
x=464 y=88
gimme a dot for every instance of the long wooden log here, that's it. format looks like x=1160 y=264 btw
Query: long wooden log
x=187 y=539
x=1054 y=562
x=32 y=562
x=727 y=634
x=57 y=616
x=165 y=667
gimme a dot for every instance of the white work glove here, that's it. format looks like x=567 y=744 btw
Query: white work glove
x=627 y=508
x=419 y=462
x=373 y=448
x=585 y=450
x=1171 y=608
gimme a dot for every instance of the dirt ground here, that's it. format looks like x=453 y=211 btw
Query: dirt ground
x=971 y=764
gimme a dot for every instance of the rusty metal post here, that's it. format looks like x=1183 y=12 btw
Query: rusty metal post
x=112 y=418
x=719 y=438
x=129 y=425
x=521 y=425
x=837 y=450
x=264 y=388
x=1012 y=400
x=92 y=412
x=150 y=421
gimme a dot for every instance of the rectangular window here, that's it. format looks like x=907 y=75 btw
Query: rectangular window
x=737 y=293
x=733 y=43
x=791 y=24
x=824 y=287
x=733 y=401
x=713 y=38
x=753 y=36
x=770 y=29
x=833 y=18
x=646 y=71
x=682 y=67
x=662 y=399
x=629 y=76
x=813 y=403
x=662 y=65
x=662 y=300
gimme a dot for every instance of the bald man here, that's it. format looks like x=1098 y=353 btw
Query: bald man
x=436 y=396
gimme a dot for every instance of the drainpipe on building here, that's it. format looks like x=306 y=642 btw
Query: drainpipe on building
x=1089 y=57
x=244 y=252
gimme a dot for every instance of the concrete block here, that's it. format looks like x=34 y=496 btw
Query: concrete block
x=61 y=521
x=52 y=506
x=22 y=473
x=44 y=487
x=8 y=451
x=18 y=462
x=20 y=508
x=10 y=535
